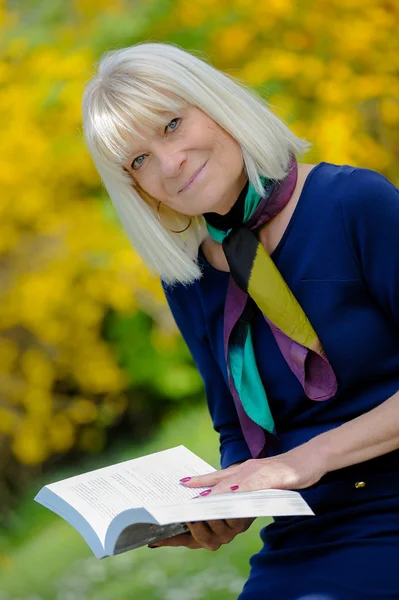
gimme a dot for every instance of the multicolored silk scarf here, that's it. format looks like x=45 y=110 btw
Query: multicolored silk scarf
x=255 y=282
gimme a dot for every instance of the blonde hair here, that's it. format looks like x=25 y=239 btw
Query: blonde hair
x=134 y=86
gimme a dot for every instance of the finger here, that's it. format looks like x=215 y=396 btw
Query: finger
x=204 y=535
x=210 y=478
x=235 y=523
x=222 y=530
x=205 y=480
x=240 y=525
x=224 y=486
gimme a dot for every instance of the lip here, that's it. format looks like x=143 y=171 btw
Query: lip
x=193 y=178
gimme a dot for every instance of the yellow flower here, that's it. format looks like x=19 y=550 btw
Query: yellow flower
x=190 y=14
x=332 y=92
x=37 y=368
x=284 y=64
x=38 y=403
x=233 y=41
x=255 y=72
x=82 y=411
x=8 y=420
x=389 y=108
x=8 y=354
x=61 y=434
x=30 y=444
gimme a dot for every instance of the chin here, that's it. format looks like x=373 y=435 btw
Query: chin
x=216 y=207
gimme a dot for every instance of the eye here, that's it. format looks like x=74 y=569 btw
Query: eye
x=175 y=119
x=135 y=161
x=143 y=155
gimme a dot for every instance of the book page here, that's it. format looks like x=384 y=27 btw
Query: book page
x=259 y=503
x=102 y=494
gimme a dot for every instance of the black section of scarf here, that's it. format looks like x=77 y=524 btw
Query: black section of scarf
x=234 y=218
x=240 y=248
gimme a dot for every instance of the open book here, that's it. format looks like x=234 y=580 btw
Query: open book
x=141 y=501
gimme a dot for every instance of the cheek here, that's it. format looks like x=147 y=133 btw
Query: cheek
x=210 y=137
x=147 y=191
x=227 y=148
x=149 y=182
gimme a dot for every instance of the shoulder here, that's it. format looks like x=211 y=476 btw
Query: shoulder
x=369 y=182
x=357 y=191
x=370 y=212
x=185 y=306
x=196 y=304
x=213 y=277
x=347 y=178
x=180 y=294
x=369 y=195
x=185 y=299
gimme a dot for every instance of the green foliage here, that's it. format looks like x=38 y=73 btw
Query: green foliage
x=166 y=371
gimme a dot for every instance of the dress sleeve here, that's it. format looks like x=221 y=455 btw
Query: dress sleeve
x=191 y=323
x=371 y=215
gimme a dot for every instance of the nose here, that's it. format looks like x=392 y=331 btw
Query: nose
x=171 y=162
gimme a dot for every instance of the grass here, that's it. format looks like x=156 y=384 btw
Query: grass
x=43 y=558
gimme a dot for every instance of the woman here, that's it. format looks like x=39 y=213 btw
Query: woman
x=284 y=281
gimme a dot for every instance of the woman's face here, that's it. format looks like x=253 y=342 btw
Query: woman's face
x=166 y=162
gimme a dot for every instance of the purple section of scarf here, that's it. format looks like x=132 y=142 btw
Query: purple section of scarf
x=275 y=198
x=312 y=370
x=254 y=435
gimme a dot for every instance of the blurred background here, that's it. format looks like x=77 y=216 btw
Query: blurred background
x=92 y=368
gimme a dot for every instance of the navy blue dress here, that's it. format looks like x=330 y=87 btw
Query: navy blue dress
x=340 y=257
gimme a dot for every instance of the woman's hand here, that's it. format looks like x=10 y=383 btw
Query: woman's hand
x=297 y=469
x=208 y=534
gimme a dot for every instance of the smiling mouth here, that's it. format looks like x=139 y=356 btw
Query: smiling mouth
x=187 y=185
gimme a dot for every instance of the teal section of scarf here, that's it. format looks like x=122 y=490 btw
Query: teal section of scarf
x=242 y=361
x=248 y=384
x=251 y=202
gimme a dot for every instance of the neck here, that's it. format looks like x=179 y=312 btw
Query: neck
x=253 y=210
x=234 y=217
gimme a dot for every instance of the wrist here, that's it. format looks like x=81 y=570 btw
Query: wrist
x=310 y=463
x=321 y=454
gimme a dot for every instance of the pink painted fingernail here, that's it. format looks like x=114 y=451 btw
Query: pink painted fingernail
x=185 y=479
x=205 y=492
x=234 y=487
